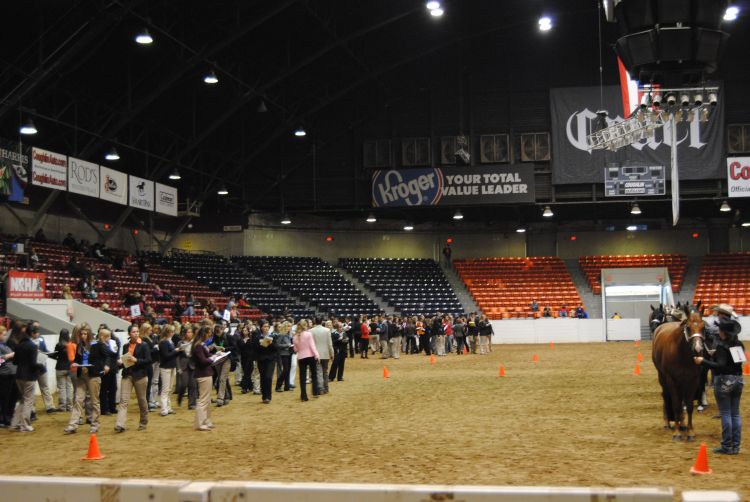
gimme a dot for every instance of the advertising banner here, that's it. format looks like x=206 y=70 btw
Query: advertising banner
x=574 y=117
x=166 y=199
x=26 y=284
x=113 y=185
x=14 y=171
x=448 y=186
x=738 y=176
x=141 y=194
x=83 y=177
x=49 y=169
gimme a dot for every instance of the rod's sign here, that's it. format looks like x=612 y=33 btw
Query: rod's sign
x=452 y=186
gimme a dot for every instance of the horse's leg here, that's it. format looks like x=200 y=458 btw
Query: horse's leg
x=676 y=408
x=666 y=401
x=691 y=391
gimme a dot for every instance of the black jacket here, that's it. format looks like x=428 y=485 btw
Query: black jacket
x=485 y=328
x=99 y=356
x=26 y=366
x=263 y=353
x=142 y=353
x=63 y=364
x=167 y=355
x=722 y=363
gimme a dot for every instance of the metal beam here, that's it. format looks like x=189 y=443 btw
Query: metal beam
x=80 y=214
x=15 y=215
x=166 y=244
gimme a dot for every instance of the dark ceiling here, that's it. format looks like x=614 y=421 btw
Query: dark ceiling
x=345 y=70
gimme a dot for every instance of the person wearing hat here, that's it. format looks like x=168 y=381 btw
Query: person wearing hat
x=728 y=382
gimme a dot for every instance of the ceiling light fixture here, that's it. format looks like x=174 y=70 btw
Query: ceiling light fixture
x=300 y=132
x=437 y=12
x=371 y=218
x=408 y=227
x=746 y=223
x=521 y=230
x=545 y=23
x=144 y=38
x=725 y=207
x=432 y=5
x=635 y=209
x=547 y=213
x=112 y=154
x=631 y=228
x=458 y=215
x=28 y=128
x=211 y=78
x=731 y=13
x=223 y=190
x=286 y=220
x=175 y=175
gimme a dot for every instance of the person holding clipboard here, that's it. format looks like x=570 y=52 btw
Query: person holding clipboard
x=92 y=360
x=204 y=372
x=136 y=361
x=728 y=382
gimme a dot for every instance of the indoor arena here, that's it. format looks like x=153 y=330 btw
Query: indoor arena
x=331 y=250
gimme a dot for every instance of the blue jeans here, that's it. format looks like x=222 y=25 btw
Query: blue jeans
x=729 y=409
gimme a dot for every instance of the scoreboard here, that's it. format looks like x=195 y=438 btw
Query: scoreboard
x=630 y=181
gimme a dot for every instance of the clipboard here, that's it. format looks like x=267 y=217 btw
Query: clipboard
x=738 y=355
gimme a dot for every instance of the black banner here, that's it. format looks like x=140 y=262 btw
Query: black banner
x=451 y=186
x=699 y=150
x=14 y=171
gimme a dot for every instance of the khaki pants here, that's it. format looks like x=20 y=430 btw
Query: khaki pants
x=167 y=377
x=395 y=349
x=64 y=389
x=374 y=343
x=223 y=372
x=126 y=388
x=484 y=344
x=154 y=390
x=473 y=339
x=203 y=406
x=22 y=413
x=440 y=345
x=44 y=390
x=86 y=383
x=384 y=346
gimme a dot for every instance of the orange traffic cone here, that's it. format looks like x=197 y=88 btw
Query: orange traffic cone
x=93 y=453
x=639 y=357
x=466 y=349
x=386 y=373
x=637 y=343
x=433 y=359
x=637 y=369
x=746 y=369
x=535 y=358
x=551 y=344
x=701 y=463
x=501 y=371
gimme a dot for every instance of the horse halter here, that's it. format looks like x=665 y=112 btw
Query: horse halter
x=689 y=338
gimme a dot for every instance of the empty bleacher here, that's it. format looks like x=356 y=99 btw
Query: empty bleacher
x=592 y=267
x=410 y=286
x=725 y=278
x=313 y=280
x=222 y=275
x=504 y=287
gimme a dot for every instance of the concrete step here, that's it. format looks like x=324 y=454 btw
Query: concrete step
x=459 y=287
x=382 y=304
x=691 y=279
x=592 y=302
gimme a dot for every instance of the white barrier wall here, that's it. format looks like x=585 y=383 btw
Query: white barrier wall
x=564 y=330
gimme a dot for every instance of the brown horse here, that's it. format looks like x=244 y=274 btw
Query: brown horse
x=675 y=345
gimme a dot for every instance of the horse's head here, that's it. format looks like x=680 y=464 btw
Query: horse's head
x=694 y=328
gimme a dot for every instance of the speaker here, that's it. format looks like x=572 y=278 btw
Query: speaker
x=675 y=44
x=709 y=45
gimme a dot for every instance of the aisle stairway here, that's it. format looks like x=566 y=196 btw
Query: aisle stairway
x=592 y=302
x=377 y=300
x=691 y=279
x=467 y=301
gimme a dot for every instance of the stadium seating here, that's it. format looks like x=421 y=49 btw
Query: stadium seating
x=592 y=267
x=313 y=280
x=220 y=274
x=504 y=287
x=725 y=278
x=410 y=286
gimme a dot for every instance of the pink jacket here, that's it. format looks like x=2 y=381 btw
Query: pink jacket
x=304 y=346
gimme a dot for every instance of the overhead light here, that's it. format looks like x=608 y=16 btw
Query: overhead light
x=631 y=228
x=286 y=220
x=725 y=207
x=211 y=78
x=698 y=99
x=437 y=12
x=671 y=99
x=545 y=23
x=685 y=100
x=656 y=99
x=521 y=230
x=746 y=223
x=262 y=108
x=223 y=190
x=175 y=175
x=458 y=215
x=408 y=227
x=144 y=38
x=112 y=154
x=371 y=218
x=28 y=128
x=645 y=100
x=300 y=132
x=731 y=13
x=432 y=5
x=547 y=213
x=635 y=209
x=712 y=98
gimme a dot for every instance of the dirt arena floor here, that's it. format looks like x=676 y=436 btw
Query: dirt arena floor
x=578 y=417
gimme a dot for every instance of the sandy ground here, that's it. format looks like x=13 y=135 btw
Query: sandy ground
x=578 y=417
